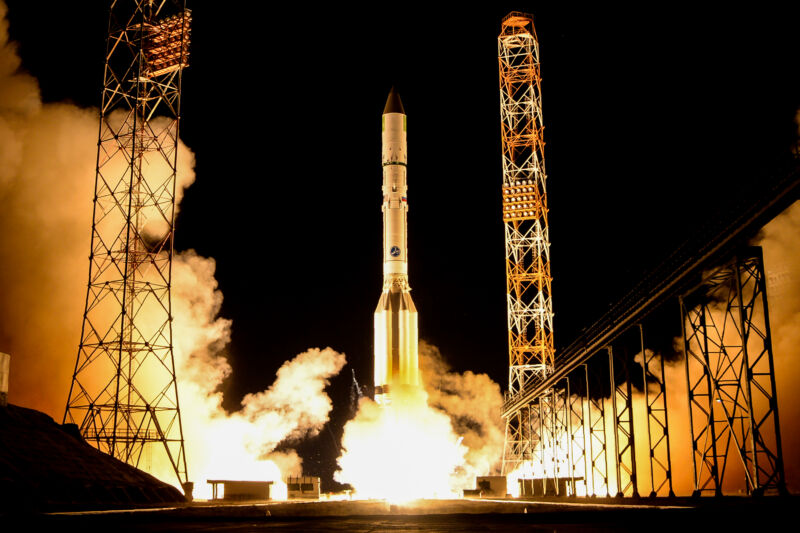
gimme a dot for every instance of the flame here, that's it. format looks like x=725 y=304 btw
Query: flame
x=427 y=443
x=400 y=452
x=553 y=461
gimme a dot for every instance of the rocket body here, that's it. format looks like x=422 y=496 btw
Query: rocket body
x=396 y=338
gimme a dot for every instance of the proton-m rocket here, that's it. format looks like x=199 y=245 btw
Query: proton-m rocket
x=396 y=339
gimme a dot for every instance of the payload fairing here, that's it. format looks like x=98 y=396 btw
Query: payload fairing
x=396 y=357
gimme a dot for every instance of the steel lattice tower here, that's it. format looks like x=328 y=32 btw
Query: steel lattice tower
x=124 y=395
x=530 y=312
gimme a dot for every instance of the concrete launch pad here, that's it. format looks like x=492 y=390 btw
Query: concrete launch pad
x=434 y=515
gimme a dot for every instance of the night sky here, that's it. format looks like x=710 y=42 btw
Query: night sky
x=654 y=119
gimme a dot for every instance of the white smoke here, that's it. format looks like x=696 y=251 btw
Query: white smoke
x=473 y=402
x=47 y=157
x=238 y=445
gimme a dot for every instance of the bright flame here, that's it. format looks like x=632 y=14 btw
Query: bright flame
x=523 y=471
x=425 y=444
x=400 y=452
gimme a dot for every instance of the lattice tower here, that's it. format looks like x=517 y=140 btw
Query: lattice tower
x=530 y=314
x=124 y=395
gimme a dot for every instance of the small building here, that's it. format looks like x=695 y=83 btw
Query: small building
x=302 y=488
x=240 y=490
x=489 y=487
x=560 y=486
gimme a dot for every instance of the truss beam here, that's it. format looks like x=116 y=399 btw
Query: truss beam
x=624 y=435
x=731 y=379
x=655 y=395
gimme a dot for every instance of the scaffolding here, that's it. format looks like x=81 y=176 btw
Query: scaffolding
x=530 y=314
x=730 y=373
x=124 y=395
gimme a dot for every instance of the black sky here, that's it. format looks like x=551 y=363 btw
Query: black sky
x=654 y=116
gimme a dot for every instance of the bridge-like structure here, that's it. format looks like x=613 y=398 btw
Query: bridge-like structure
x=615 y=389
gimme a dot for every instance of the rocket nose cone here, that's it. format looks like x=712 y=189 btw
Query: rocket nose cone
x=393 y=103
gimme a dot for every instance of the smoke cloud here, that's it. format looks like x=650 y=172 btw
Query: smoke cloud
x=47 y=166
x=473 y=402
x=238 y=445
x=47 y=157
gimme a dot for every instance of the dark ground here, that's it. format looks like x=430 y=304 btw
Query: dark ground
x=45 y=465
x=733 y=514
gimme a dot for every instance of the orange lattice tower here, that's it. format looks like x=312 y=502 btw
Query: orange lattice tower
x=530 y=310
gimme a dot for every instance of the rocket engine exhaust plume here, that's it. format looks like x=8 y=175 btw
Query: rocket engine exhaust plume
x=426 y=443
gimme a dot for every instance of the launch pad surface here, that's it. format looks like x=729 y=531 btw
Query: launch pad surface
x=436 y=515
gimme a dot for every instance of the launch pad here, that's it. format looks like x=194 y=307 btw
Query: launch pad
x=437 y=515
x=540 y=417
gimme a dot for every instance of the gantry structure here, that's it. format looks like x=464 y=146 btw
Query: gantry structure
x=124 y=394
x=527 y=243
x=570 y=424
x=718 y=283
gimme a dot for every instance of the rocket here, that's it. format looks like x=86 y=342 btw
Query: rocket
x=396 y=357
